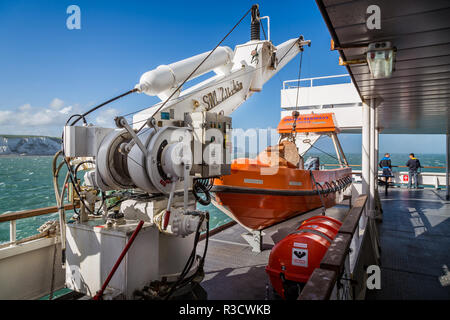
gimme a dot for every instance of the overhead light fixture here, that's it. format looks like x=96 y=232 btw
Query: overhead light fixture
x=380 y=58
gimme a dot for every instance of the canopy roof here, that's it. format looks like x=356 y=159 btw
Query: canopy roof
x=416 y=98
x=323 y=122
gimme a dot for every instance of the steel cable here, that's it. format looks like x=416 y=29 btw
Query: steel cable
x=192 y=73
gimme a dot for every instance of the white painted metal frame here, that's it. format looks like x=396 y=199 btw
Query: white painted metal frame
x=366 y=153
x=311 y=80
x=268 y=26
x=377 y=148
x=373 y=165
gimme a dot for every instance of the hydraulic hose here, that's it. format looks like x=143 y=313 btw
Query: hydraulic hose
x=60 y=203
x=201 y=188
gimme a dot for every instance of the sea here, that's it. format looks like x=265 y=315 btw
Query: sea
x=26 y=183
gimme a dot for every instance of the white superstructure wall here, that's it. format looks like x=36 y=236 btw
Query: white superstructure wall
x=308 y=95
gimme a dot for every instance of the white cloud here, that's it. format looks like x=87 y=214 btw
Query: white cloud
x=66 y=110
x=56 y=104
x=106 y=117
x=4 y=116
x=25 y=107
x=50 y=120
x=29 y=119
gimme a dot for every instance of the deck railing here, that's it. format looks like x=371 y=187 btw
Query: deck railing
x=286 y=84
x=359 y=165
x=434 y=178
x=12 y=217
x=323 y=280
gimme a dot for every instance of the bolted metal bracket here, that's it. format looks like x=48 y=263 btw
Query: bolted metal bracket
x=122 y=123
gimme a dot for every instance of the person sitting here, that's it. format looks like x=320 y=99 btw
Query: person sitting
x=386 y=165
x=413 y=165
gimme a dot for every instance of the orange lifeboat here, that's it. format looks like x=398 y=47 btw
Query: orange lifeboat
x=274 y=187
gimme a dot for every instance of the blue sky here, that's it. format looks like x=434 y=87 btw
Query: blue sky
x=48 y=71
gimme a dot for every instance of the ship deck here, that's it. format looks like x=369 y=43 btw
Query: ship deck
x=234 y=272
x=414 y=238
x=415 y=242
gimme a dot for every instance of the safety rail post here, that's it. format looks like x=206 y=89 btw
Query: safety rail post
x=12 y=218
x=12 y=232
x=436 y=183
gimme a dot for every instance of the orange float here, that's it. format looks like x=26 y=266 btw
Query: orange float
x=293 y=259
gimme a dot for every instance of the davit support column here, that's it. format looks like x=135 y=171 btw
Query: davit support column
x=372 y=159
x=447 y=169
x=370 y=155
x=365 y=161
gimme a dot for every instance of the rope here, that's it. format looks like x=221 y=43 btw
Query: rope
x=216 y=83
x=99 y=106
x=281 y=59
x=330 y=155
x=82 y=116
x=299 y=75
x=158 y=221
x=320 y=195
x=192 y=92
x=294 y=133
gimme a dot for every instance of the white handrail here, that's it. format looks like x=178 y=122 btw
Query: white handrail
x=268 y=26
x=311 y=80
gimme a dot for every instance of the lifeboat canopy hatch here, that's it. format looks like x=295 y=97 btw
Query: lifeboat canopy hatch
x=323 y=122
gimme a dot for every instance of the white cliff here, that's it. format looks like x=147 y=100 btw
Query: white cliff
x=28 y=145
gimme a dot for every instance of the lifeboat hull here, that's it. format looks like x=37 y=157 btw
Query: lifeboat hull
x=258 y=200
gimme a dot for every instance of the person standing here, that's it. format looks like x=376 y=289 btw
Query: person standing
x=386 y=165
x=413 y=165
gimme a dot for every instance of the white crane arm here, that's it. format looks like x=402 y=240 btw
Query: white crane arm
x=238 y=76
